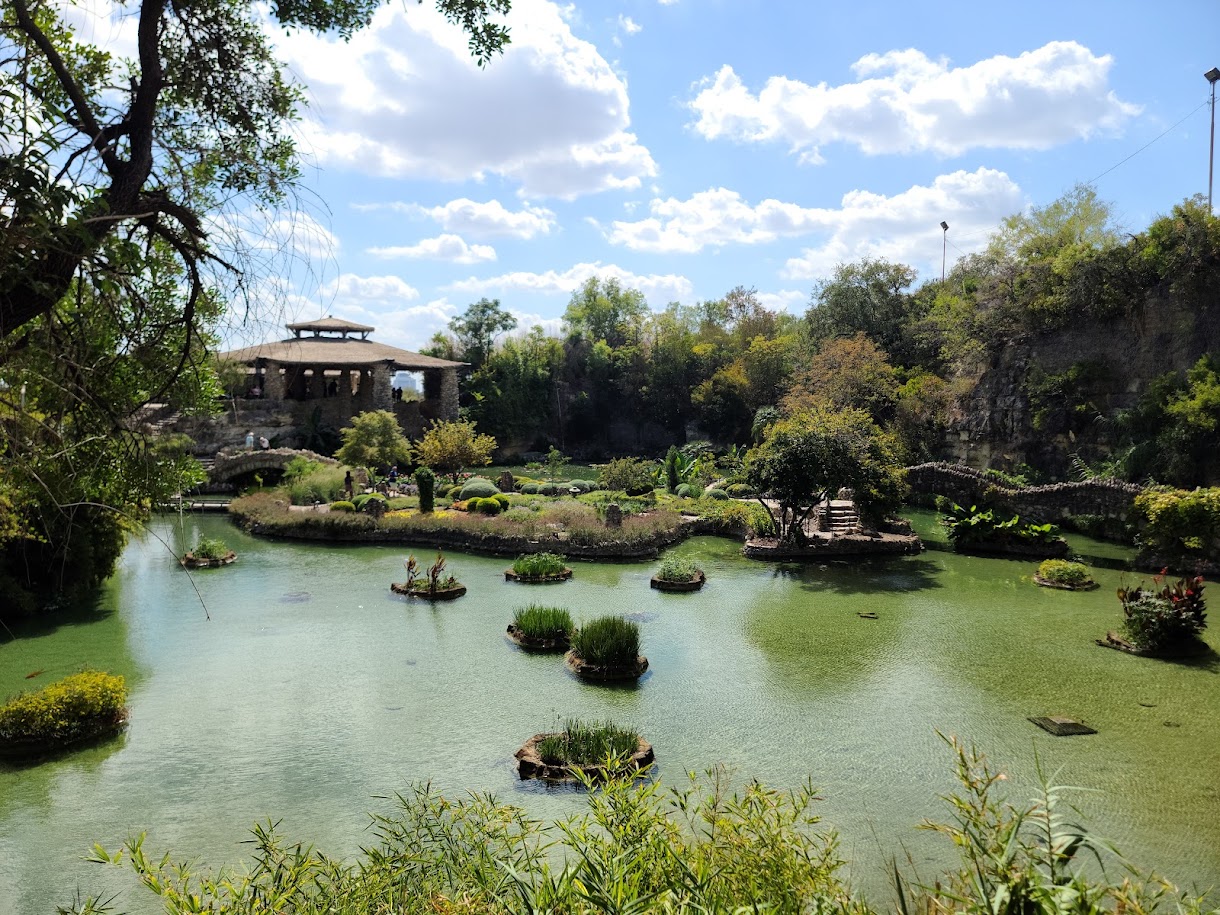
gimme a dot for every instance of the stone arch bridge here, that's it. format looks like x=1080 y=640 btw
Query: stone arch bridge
x=1109 y=499
x=231 y=465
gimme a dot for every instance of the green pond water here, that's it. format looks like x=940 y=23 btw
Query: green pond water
x=311 y=693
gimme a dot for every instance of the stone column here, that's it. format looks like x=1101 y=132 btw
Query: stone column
x=383 y=380
x=273 y=382
x=448 y=406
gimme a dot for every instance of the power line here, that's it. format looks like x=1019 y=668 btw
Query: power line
x=1149 y=143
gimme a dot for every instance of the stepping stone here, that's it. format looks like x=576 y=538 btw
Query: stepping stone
x=1061 y=726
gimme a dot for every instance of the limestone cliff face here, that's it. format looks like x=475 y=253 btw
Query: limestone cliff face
x=1044 y=396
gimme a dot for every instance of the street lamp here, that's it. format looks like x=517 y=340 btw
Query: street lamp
x=944 y=248
x=1211 y=76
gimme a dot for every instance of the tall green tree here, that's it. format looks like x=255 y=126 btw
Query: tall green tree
x=374 y=440
x=477 y=328
x=871 y=297
x=604 y=310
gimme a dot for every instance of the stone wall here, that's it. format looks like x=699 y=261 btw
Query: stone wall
x=231 y=464
x=1040 y=504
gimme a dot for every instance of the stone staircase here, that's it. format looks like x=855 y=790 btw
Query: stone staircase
x=842 y=517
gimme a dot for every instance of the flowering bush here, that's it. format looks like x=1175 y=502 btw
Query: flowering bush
x=78 y=706
x=1166 y=618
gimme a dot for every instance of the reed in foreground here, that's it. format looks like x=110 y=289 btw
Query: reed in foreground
x=639 y=850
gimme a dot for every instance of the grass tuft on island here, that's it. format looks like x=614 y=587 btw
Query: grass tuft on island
x=611 y=642
x=541 y=627
x=534 y=567
x=587 y=743
x=77 y=708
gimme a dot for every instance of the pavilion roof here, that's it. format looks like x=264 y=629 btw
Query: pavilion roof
x=337 y=352
x=330 y=324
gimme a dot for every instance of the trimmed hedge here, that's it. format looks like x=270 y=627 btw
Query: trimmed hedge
x=342 y=506
x=530 y=489
x=75 y=707
x=478 y=488
x=685 y=491
x=718 y=494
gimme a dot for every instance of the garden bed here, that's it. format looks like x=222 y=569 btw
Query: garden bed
x=662 y=584
x=191 y=561
x=510 y=575
x=1089 y=585
x=821 y=547
x=35 y=748
x=530 y=643
x=531 y=765
x=605 y=673
x=1054 y=549
x=428 y=594
x=1190 y=649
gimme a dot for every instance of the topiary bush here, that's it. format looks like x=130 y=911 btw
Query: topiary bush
x=718 y=494
x=550 y=489
x=530 y=489
x=1063 y=572
x=740 y=491
x=502 y=500
x=74 y=708
x=478 y=487
x=685 y=491
x=582 y=485
x=425 y=479
x=342 y=506
x=488 y=506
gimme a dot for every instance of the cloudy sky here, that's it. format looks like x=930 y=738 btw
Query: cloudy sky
x=690 y=146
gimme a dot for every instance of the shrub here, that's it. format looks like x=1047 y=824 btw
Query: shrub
x=1180 y=523
x=502 y=500
x=425 y=479
x=550 y=489
x=321 y=484
x=539 y=565
x=342 y=506
x=1165 y=619
x=489 y=506
x=678 y=568
x=741 y=491
x=632 y=476
x=736 y=517
x=477 y=487
x=361 y=502
x=581 y=485
x=608 y=641
x=584 y=744
x=78 y=706
x=530 y=489
x=543 y=623
x=718 y=494
x=1063 y=572
x=210 y=548
x=685 y=491
x=968 y=526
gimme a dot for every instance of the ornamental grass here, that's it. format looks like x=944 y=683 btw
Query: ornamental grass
x=678 y=569
x=583 y=743
x=543 y=623
x=539 y=565
x=608 y=641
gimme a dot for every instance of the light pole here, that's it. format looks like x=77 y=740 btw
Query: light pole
x=1211 y=76
x=944 y=248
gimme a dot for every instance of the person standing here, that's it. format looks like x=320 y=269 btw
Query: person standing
x=249 y=440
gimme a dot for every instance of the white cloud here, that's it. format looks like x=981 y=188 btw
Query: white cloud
x=905 y=102
x=387 y=303
x=470 y=217
x=349 y=290
x=552 y=327
x=906 y=227
x=629 y=25
x=452 y=248
x=862 y=221
x=659 y=289
x=790 y=300
x=404 y=99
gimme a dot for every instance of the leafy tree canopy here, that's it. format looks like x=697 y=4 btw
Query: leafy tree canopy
x=869 y=297
x=449 y=447
x=375 y=440
x=604 y=310
x=810 y=456
x=476 y=329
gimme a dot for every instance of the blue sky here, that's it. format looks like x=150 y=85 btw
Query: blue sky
x=690 y=146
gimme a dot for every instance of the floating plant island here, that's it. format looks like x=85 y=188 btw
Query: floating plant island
x=582 y=750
